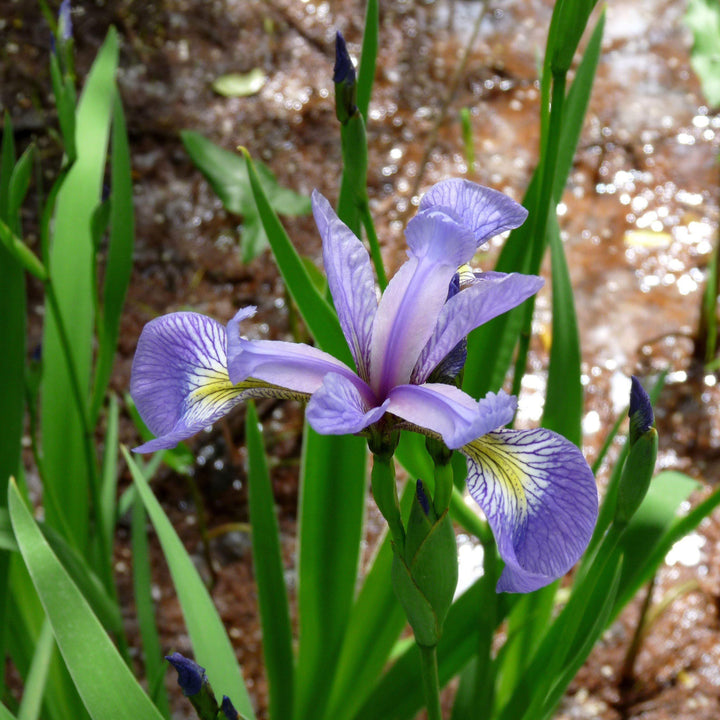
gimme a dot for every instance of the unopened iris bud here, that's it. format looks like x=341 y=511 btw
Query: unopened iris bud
x=640 y=412
x=65 y=21
x=227 y=711
x=640 y=463
x=425 y=572
x=195 y=686
x=345 y=82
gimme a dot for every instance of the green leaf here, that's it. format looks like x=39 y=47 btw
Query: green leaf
x=5 y=714
x=119 y=256
x=210 y=642
x=564 y=397
x=319 y=317
x=332 y=498
x=240 y=84
x=155 y=667
x=34 y=686
x=20 y=180
x=368 y=57
x=375 y=624
x=227 y=174
x=703 y=19
x=104 y=682
x=269 y=575
x=72 y=269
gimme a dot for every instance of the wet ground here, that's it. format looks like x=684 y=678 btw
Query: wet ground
x=639 y=218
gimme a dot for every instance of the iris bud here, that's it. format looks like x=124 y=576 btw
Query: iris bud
x=425 y=572
x=195 y=686
x=345 y=82
x=640 y=463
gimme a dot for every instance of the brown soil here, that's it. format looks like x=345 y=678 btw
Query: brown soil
x=638 y=220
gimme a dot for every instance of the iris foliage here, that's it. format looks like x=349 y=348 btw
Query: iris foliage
x=418 y=377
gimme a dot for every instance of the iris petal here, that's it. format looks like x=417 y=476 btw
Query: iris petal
x=179 y=378
x=350 y=279
x=540 y=498
x=485 y=211
x=449 y=412
x=294 y=366
x=413 y=299
x=338 y=408
x=485 y=299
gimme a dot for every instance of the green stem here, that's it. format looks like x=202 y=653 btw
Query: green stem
x=443 y=486
x=431 y=686
x=386 y=497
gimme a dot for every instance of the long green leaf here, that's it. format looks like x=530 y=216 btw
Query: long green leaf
x=319 y=317
x=366 y=71
x=104 y=682
x=5 y=714
x=142 y=583
x=564 y=397
x=207 y=634
x=72 y=270
x=37 y=677
x=119 y=256
x=267 y=561
x=12 y=359
x=332 y=494
x=375 y=624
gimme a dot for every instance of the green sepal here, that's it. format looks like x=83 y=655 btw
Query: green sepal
x=425 y=576
x=636 y=476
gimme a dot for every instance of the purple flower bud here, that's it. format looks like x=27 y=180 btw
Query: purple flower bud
x=65 y=21
x=190 y=675
x=422 y=497
x=641 y=412
x=344 y=71
x=228 y=710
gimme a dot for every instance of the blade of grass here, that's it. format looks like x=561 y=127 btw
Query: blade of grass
x=72 y=269
x=104 y=682
x=268 y=565
x=209 y=640
x=108 y=494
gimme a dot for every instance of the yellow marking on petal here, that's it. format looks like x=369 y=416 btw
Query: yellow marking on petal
x=502 y=463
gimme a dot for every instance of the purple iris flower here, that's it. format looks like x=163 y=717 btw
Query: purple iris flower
x=535 y=487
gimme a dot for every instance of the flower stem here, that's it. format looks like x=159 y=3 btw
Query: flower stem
x=386 y=498
x=431 y=686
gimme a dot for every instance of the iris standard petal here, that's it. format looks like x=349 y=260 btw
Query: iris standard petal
x=413 y=299
x=338 y=408
x=540 y=498
x=486 y=298
x=485 y=211
x=446 y=411
x=179 y=379
x=350 y=279
x=294 y=366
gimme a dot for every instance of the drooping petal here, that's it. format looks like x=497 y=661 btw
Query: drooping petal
x=294 y=366
x=350 y=278
x=413 y=299
x=179 y=379
x=485 y=299
x=449 y=412
x=338 y=408
x=485 y=211
x=540 y=498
